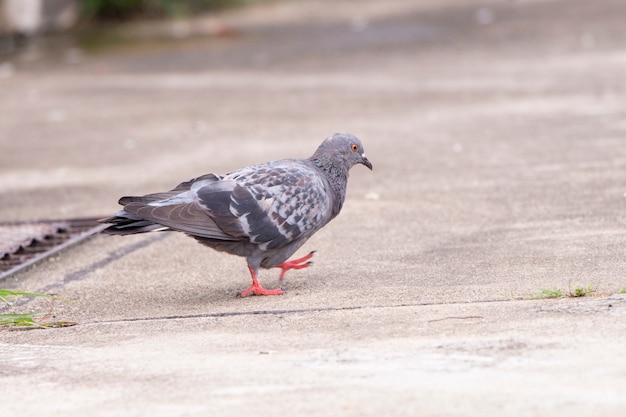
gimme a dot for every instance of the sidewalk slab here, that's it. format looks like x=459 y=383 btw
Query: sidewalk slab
x=497 y=136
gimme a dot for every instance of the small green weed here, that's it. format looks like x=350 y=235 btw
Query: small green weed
x=26 y=320
x=547 y=293
x=8 y=295
x=558 y=293
x=581 y=291
x=622 y=291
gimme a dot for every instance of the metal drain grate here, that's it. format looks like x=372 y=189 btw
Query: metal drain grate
x=24 y=243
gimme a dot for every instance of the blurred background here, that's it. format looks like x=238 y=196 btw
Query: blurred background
x=92 y=23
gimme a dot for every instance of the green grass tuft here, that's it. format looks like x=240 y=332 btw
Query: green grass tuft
x=547 y=293
x=576 y=292
x=7 y=295
x=28 y=320
x=581 y=291
x=19 y=320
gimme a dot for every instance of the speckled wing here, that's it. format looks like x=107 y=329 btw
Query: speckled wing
x=269 y=205
x=278 y=202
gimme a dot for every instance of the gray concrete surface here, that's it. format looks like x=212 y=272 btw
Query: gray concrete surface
x=498 y=138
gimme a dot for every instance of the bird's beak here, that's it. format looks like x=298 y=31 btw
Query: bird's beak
x=366 y=161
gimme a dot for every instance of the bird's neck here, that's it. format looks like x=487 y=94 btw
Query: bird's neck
x=337 y=176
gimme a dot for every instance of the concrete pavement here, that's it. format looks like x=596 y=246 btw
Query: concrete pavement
x=498 y=140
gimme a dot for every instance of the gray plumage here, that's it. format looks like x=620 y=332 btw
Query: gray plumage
x=263 y=212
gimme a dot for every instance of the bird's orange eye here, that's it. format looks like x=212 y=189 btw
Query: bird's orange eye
x=354 y=147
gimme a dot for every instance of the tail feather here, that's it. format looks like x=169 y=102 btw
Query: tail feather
x=180 y=188
x=146 y=199
x=125 y=224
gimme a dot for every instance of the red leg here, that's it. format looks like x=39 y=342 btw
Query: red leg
x=256 y=288
x=295 y=264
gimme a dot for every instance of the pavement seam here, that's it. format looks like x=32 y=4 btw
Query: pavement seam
x=287 y=311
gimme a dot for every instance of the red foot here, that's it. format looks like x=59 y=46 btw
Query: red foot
x=295 y=264
x=256 y=288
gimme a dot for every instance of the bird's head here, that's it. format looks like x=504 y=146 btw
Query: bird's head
x=344 y=147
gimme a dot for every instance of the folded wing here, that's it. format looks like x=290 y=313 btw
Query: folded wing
x=267 y=206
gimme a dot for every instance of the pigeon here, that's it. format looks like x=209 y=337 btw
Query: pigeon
x=262 y=212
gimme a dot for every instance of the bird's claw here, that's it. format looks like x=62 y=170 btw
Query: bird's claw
x=295 y=264
x=258 y=290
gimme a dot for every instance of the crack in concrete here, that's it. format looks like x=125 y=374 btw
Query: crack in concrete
x=285 y=311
